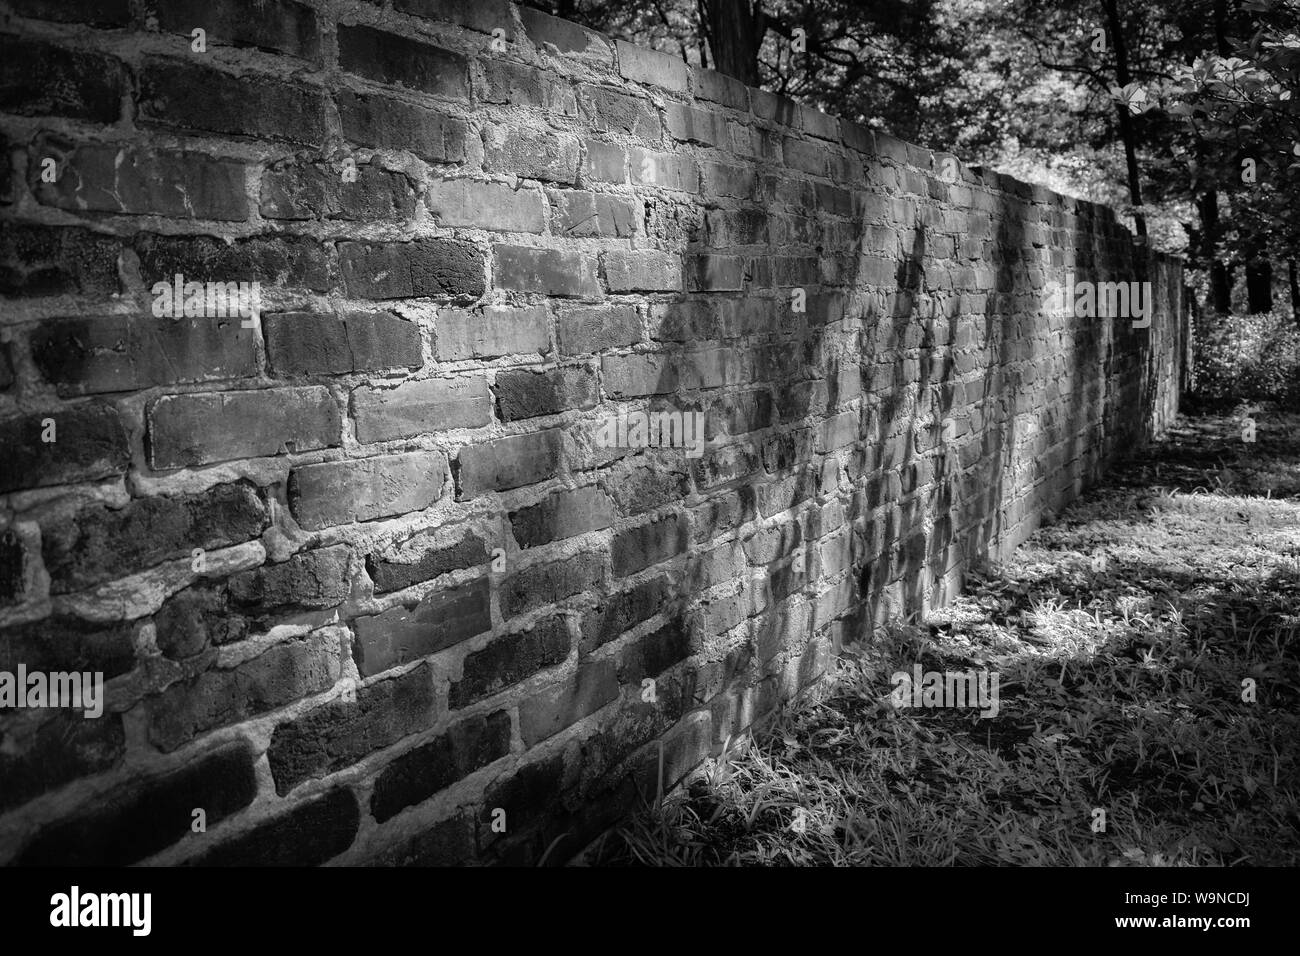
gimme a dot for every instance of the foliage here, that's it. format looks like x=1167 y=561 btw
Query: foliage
x=1121 y=689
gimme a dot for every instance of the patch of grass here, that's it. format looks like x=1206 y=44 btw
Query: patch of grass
x=1121 y=683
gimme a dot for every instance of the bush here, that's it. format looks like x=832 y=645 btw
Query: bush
x=1245 y=358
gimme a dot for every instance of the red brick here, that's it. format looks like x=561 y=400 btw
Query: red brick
x=119 y=353
x=384 y=123
x=185 y=95
x=551 y=710
x=491 y=332
x=399 y=61
x=333 y=493
x=279 y=25
x=42 y=79
x=495 y=206
x=310 y=343
x=206 y=427
x=399 y=270
x=122 y=179
x=441 y=619
x=317 y=191
x=524 y=393
x=548 y=271
x=510 y=659
x=507 y=463
x=90 y=443
x=341 y=733
x=421 y=408
x=657 y=540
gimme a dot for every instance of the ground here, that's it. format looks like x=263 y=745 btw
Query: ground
x=1127 y=637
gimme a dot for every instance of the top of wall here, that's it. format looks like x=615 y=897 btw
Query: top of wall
x=673 y=79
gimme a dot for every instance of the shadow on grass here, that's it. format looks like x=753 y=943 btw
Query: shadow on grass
x=1126 y=638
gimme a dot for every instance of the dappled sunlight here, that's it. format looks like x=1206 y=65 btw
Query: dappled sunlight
x=1125 y=637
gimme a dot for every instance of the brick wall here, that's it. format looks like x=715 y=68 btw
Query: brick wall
x=362 y=574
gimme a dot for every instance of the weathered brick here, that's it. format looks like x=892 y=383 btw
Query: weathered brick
x=657 y=540
x=686 y=124
x=550 y=583
x=621 y=611
x=420 y=773
x=666 y=170
x=279 y=25
x=564 y=35
x=441 y=619
x=206 y=427
x=516 y=84
x=531 y=154
x=819 y=124
x=583 y=214
x=650 y=66
x=420 y=408
x=707 y=273
x=549 y=711
x=185 y=95
x=398 y=270
x=423 y=558
x=636 y=489
x=316 y=578
x=302 y=191
x=120 y=353
x=491 y=332
x=312 y=343
x=495 y=206
x=99 y=543
x=123 y=179
x=509 y=462
x=279 y=261
x=609 y=111
x=642 y=270
x=384 y=123
x=127 y=825
x=99 y=13
x=510 y=659
x=719 y=88
x=548 y=271
x=603 y=162
x=448 y=842
x=87 y=442
x=596 y=329
x=773 y=107
x=653 y=653
x=485 y=16
x=524 y=393
x=342 y=732
x=562 y=515
x=64 y=748
x=398 y=61
x=332 y=493
x=41 y=260
x=44 y=79
x=279 y=675
x=310 y=834
x=630 y=376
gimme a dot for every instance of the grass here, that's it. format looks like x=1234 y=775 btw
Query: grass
x=1121 y=635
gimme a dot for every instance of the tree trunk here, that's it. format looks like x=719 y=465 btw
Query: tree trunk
x=1295 y=289
x=1127 y=131
x=1220 y=282
x=735 y=31
x=1259 y=285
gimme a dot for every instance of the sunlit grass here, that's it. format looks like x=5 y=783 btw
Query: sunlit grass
x=1121 y=689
